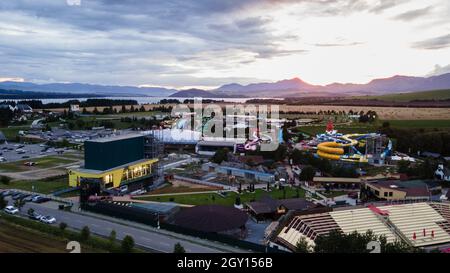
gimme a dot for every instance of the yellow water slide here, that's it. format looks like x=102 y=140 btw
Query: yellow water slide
x=334 y=150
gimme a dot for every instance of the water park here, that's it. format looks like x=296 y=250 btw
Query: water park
x=370 y=148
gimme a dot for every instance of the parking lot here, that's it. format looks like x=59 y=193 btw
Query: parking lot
x=14 y=151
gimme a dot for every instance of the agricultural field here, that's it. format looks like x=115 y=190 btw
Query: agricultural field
x=229 y=200
x=405 y=97
x=420 y=124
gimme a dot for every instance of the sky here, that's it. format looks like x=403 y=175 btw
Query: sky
x=208 y=43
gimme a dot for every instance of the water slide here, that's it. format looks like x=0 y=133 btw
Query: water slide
x=335 y=150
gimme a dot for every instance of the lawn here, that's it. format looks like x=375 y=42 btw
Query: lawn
x=11 y=132
x=40 y=186
x=42 y=163
x=229 y=200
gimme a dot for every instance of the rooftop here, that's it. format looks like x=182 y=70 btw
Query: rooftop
x=115 y=138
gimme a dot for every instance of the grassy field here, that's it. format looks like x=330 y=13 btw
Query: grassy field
x=417 y=124
x=345 y=129
x=229 y=200
x=18 y=239
x=11 y=132
x=40 y=186
x=41 y=163
x=405 y=97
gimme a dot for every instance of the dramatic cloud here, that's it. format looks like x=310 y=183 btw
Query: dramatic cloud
x=182 y=43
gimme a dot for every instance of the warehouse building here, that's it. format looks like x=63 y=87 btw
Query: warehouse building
x=119 y=160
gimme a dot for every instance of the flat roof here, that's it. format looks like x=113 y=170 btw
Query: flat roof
x=336 y=179
x=115 y=138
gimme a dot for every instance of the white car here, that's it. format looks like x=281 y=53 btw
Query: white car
x=48 y=219
x=11 y=210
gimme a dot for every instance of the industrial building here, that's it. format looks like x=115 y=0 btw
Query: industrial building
x=423 y=224
x=119 y=160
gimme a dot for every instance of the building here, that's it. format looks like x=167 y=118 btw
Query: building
x=74 y=108
x=398 y=190
x=213 y=219
x=249 y=174
x=416 y=224
x=24 y=108
x=321 y=182
x=268 y=208
x=119 y=160
x=209 y=148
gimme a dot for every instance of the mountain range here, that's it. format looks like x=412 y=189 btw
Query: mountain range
x=285 y=88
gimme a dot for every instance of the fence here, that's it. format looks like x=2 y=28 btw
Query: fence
x=145 y=217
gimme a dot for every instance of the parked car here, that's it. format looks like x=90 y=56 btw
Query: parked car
x=29 y=163
x=48 y=219
x=35 y=216
x=16 y=195
x=41 y=199
x=30 y=198
x=2 y=159
x=11 y=210
x=6 y=193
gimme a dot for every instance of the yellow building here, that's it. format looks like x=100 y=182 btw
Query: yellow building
x=115 y=177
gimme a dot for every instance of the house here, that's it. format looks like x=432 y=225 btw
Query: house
x=268 y=208
x=398 y=190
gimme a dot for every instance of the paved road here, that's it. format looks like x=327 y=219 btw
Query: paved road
x=143 y=237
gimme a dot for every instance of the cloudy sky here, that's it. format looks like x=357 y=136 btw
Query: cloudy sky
x=207 y=43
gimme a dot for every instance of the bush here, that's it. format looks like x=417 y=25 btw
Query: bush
x=178 y=248
x=85 y=233
x=62 y=226
x=5 y=180
x=3 y=203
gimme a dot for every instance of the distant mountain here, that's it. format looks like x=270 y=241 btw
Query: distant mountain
x=191 y=93
x=297 y=87
x=76 y=88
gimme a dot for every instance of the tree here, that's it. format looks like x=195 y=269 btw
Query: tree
x=127 y=244
x=302 y=246
x=220 y=156
x=112 y=239
x=62 y=227
x=95 y=112
x=85 y=233
x=178 y=248
x=19 y=203
x=3 y=203
x=5 y=180
x=238 y=201
x=307 y=173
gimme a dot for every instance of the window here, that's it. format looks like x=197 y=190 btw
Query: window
x=391 y=194
x=385 y=194
x=108 y=178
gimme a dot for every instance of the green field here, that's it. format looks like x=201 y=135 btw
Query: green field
x=405 y=97
x=361 y=128
x=229 y=200
x=40 y=186
x=11 y=132
x=41 y=163
x=417 y=124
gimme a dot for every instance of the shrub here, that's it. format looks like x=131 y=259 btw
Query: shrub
x=127 y=244
x=85 y=233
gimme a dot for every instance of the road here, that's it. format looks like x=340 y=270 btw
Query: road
x=144 y=237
